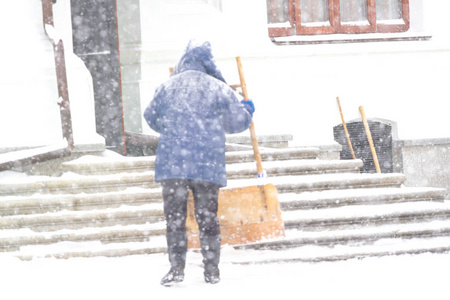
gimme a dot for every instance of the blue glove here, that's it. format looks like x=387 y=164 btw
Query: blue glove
x=248 y=104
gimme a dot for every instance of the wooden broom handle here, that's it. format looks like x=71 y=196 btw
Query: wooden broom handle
x=369 y=137
x=347 y=135
x=253 y=137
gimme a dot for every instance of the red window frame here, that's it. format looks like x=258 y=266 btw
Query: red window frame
x=346 y=28
x=302 y=29
x=281 y=29
x=385 y=28
x=335 y=25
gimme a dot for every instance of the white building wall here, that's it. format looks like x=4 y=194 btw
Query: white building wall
x=29 y=114
x=295 y=87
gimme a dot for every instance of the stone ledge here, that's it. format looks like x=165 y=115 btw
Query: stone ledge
x=270 y=141
x=421 y=142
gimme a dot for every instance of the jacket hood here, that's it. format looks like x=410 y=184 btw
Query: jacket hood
x=198 y=57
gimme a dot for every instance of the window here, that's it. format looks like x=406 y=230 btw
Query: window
x=309 y=17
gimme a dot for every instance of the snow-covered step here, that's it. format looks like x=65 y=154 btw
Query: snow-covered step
x=363 y=196
x=13 y=239
x=111 y=206
x=42 y=203
x=264 y=141
x=88 y=249
x=366 y=215
x=296 y=246
x=125 y=215
x=71 y=183
x=272 y=154
x=93 y=184
x=314 y=253
x=89 y=164
x=118 y=164
x=294 y=167
x=365 y=235
x=320 y=182
x=340 y=218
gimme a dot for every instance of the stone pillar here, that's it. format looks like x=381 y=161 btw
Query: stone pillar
x=81 y=91
x=95 y=41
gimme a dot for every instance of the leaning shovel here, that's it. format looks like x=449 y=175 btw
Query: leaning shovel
x=246 y=214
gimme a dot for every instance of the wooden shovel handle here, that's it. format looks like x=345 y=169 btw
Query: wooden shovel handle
x=369 y=137
x=347 y=135
x=253 y=137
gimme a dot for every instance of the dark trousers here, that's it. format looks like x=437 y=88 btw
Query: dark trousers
x=175 y=195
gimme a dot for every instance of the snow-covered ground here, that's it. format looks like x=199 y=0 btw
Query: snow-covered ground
x=422 y=276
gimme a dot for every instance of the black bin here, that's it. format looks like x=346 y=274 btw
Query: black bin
x=382 y=140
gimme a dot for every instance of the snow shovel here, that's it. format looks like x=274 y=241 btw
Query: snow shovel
x=246 y=214
x=347 y=135
x=369 y=138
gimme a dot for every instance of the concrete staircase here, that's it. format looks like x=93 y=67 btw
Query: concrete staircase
x=111 y=206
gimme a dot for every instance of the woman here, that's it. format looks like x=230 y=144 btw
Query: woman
x=192 y=111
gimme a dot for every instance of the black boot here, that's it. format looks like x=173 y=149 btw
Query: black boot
x=176 y=248
x=175 y=275
x=212 y=276
x=211 y=257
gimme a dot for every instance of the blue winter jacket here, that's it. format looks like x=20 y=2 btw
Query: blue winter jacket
x=192 y=111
